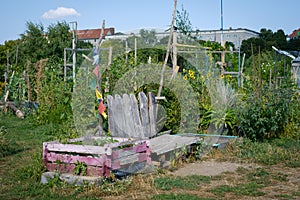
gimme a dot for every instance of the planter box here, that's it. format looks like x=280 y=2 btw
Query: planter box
x=96 y=160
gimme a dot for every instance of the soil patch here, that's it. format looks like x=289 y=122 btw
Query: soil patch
x=211 y=168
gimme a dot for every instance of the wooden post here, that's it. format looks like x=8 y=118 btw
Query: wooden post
x=253 y=65
x=135 y=51
x=168 y=51
x=109 y=56
x=174 y=50
x=101 y=132
x=65 y=64
x=270 y=80
x=241 y=71
x=126 y=51
x=28 y=81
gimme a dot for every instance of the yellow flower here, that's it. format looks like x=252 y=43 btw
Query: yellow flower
x=185 y=77
x=183 y=70
x=222 y=76
x=191 y=73
x=229 y=78
x=202 y=78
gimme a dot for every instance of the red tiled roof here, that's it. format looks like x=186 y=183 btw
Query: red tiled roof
x=93 y=33
x=295 y=33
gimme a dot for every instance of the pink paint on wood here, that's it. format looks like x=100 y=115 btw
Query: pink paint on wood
x=142 y=157
x=67 y=158
x=82 y=149
x=63 y=168
x=140 y=148
x=94 y=171
x=129 y=151
x=70 y=168
x=44 y=154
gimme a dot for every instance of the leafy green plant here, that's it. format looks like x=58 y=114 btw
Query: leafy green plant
x=80 y=168
x=265 y=117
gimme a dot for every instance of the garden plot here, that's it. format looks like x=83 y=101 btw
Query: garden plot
x=85 y=157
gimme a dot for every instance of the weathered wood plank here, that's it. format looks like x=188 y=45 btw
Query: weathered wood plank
x=167 y=143
x=136 y=117
x=118 y=163
x=67 y=158
x=130 y=130
x=144 y=112
x=152 y=114
x=82 y=149
x=69 y=168
x=111 y=116
x=119 y=117
x=129 y=151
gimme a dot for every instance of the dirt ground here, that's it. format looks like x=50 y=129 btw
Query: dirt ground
x=211 y=168
x=231 y=173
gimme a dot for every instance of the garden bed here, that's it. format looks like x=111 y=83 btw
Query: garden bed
x=82 y=156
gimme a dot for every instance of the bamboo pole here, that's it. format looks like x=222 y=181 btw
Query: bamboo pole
x=168 y=50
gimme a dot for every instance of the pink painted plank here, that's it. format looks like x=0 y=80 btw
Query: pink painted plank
x=60 y=167
x=69 y=168
x=136 y=158
x=44 y=153
x=94 y=171
x=82 y=149
x=142 y=157
x=129 y=151
x=67 y=158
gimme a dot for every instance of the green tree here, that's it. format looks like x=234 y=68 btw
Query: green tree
x=183 y=23
x=59 y=37
x=34 y=43
x=148 y=38
x=280 y=39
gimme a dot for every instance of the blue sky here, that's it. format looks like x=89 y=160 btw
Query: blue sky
x=133 y=14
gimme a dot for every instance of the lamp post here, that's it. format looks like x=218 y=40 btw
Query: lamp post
x=222 y=39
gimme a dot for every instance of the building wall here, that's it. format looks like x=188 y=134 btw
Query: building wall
x=236 y=36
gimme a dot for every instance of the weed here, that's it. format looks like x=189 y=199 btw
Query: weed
x=115 y=187
x=284 y=196
x=260 y=177
x=173 y=196
x=280 y=177
x=7 y=147
x=248 y=189
x=34 y=170
x=189 y=182
x=80 y=168
x=270 y=153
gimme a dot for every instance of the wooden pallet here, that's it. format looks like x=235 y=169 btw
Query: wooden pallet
x=99 y=160
x=164 y=148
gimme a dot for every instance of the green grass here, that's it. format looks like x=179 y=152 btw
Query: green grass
x=285 y=151
x=247 y=189
x=21 y=168
x=173 y=196
x=189 y=182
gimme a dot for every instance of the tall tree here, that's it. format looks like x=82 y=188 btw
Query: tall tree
x=148 y=38
x=59 y=37
x=183 y=23
x=280 y=39
x=34 y=42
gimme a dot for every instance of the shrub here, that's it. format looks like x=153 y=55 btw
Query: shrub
x=265 y=117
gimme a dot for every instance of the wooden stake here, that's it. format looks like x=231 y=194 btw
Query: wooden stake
x=168 y=50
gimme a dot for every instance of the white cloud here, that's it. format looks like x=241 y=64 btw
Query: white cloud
x=60 y=12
